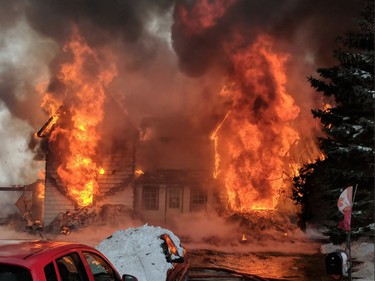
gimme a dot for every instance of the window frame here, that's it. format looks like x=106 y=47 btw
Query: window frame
x=53 y=276
x=113 y=272
x=177 y=190
x=78 y=263
x=150 y=197
x=15 y=270
x=198 y=198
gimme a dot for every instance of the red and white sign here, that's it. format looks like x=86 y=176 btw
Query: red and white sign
x=345 y=206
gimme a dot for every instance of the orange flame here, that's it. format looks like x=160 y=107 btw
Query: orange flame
x=84 y=98
x=215 y=139
x=171 y=246
x=41 y=174
x=48 y=127
x=40 y=190
x=205 y=14
x=257 y=148
x=326 y=106
x=138 y=173
x=244 y=238
x=260 y=128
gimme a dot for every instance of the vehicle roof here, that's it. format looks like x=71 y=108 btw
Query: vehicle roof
x=27 y=250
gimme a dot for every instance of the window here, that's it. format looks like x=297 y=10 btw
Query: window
x=150 y=197
x=50 y=272
x=101 y=270
x=174 y=197
x=198 y=199
x=13 y=272
x=71 y=268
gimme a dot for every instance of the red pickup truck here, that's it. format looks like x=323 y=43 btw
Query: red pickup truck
x=54 y=261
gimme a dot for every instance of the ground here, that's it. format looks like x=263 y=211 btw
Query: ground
x=292 y=256
x=306 y=267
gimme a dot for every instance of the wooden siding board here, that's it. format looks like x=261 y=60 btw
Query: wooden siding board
x=55 y=203
x=125 y=196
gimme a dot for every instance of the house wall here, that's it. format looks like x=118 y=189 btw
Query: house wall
x=186 y=200
x=163 y=214
x=221 y=200
x=125 y=197
x=115 y=185
x=55 y=202
x=38 y=202
x=152 y=216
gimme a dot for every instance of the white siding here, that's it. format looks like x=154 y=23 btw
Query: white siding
x=54 y=203
x=125 y=197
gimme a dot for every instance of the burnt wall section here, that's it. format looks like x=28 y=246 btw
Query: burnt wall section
x=116 y=184
x=55 y=200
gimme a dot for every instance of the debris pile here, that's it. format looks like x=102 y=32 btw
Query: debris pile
x=65 y=222
x=265 y=226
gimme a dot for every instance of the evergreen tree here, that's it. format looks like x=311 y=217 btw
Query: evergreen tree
x=348 y=143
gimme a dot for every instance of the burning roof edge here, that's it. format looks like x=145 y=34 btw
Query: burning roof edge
x=48 y=127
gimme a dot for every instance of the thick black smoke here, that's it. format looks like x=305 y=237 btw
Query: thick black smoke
x=154 y=52
x=105 y=22
x=318 y=22
x=98 y=21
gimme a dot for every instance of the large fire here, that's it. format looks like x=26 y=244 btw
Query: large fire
x=83 y=100
x=215 y=139
x=253 y=143
x=257 y=144
x=259 y=132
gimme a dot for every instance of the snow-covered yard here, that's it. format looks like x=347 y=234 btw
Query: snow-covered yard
x=362 y=256
x=136 y=249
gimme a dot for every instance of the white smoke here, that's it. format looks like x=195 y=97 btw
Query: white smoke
x=23 y=58
x=17 y=164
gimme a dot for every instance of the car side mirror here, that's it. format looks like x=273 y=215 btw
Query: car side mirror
x=128 y=277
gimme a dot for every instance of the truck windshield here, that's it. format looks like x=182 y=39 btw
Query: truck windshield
x=14 y=273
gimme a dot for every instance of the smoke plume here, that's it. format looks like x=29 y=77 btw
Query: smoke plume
x=172 y=60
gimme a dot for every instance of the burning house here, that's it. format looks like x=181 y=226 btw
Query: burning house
x=156 y=195
x=112 y=183
x=256 y=149
x=233 y=70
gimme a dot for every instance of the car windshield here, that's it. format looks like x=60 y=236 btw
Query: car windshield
x=14 y=273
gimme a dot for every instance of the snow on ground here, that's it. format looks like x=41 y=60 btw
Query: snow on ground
x=362 y=254
x=138 y=251
x=363 y=257
x=130 y=253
